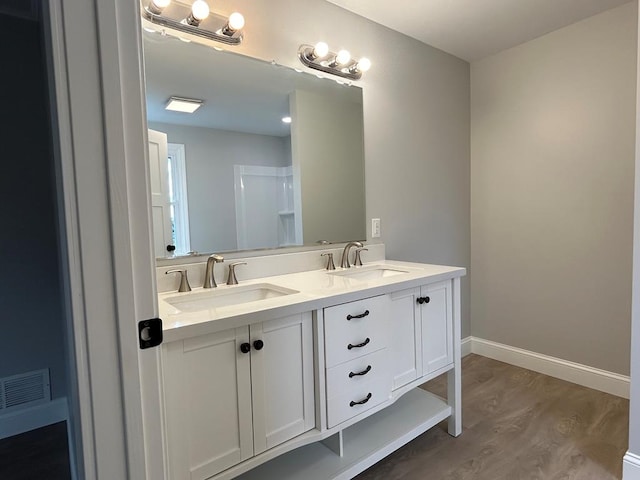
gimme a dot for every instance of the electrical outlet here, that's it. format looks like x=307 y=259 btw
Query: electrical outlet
x=375 y=228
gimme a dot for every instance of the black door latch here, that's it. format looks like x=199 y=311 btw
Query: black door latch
x=150 y=333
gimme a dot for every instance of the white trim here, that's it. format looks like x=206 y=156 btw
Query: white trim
x=465 y=346
x=177 y=153
x=30 y=418
x=631 y=467
x=584 y=375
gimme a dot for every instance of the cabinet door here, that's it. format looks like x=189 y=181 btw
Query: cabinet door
x=436 y=315
x=406 y=346
x=282 y=380
x=208 y=404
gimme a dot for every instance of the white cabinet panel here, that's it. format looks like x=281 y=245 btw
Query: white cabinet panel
x=357 y=399
x=208 y=404
x=437 y=335
x=344 y=377
x=405 y=343
x=224 y=404
x=282 y=380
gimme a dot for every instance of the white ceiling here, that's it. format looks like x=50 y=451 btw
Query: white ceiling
x=473 y=29
x=240 y=93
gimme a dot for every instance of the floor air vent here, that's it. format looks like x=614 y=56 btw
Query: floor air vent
x=25 y=389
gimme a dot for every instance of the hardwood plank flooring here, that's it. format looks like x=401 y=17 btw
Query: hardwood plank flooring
x=518 y=424
x=40 y=454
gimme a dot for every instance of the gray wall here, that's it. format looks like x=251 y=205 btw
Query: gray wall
x=552 y=142
x=416 y=123
x=332 y=170
x=210 y=157
x=31 y=336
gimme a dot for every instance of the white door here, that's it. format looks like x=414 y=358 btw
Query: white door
x=282 y=380
x=160 y=193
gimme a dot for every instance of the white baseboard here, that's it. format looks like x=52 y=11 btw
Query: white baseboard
x=30 y=418
x=465 y=346
x=631 y=467
x=584 y=375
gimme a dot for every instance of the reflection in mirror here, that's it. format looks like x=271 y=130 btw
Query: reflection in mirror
x=236 y=174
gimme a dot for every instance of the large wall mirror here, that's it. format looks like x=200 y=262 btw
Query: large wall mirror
x=233 y=175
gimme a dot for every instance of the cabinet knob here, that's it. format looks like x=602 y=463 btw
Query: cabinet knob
x=258 y=344
x=422 y=300
x=245 y=347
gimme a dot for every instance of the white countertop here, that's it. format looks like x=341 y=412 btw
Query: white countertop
x=316 y=289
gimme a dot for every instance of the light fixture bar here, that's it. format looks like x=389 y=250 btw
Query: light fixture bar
x=307 y=55
x=183 y=105
x=177 y=18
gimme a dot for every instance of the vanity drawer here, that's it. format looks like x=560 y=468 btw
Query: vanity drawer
x=357 y=399
x=345 y=377
x=355 y=329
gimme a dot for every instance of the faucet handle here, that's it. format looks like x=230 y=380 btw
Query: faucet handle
x=330 y=264
x=358 y=261
x=232 y=279
x=184 y=281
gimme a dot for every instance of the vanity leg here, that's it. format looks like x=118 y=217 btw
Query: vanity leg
x=454 y=377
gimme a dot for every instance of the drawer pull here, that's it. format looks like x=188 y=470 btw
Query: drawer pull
x=362 y=315
x=361 y=402
x=360 y=345
x=364 y=372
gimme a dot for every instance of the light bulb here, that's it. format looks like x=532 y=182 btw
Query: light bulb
x=286 y=119
x=343 y=57
x=156 y=6
x=364 y=64
x=236 y=21
x=200 y=10
x=320 y=50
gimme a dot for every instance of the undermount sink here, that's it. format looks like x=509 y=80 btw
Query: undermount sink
x=374 y=272
x=226 y=296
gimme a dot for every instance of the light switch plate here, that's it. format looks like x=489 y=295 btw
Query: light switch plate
x=375 y=228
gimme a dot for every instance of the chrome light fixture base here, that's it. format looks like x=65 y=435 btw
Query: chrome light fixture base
x=327 y=63
x=214 y=27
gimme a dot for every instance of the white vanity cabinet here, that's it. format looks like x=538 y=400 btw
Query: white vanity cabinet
x=319 y=395
x=234 y=394
x=421 y=331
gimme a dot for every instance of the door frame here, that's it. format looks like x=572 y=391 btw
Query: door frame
x=95 y=60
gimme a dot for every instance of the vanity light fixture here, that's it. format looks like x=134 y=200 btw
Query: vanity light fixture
x=195 y=19
x=286 y=119
x=184 y=105
x=320 y=58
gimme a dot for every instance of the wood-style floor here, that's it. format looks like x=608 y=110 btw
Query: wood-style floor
x=41 y=454
x=518 y=424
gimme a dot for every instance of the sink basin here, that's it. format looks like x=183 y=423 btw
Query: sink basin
x=226 y=296
x=370 y=273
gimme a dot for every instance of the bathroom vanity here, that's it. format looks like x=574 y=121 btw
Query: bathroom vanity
x=312 y=374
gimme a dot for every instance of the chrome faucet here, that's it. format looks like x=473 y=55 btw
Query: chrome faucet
x=232 y=279
x=344 y=263
x=209 y=278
